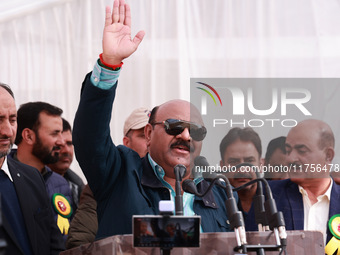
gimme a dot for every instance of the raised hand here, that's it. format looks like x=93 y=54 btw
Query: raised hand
x=117 y=42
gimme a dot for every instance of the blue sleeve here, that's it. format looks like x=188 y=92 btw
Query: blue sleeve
x=104 y=78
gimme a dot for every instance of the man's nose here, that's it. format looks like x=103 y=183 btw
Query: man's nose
x=60 y=140
x=292 y=157
x=185 y=135
x=6 y=129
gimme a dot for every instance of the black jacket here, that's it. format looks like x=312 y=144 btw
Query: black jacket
x=43 y=233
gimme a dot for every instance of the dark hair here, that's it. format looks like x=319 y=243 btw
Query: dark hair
x=152 y=118
x=66 y=126
x=7 y=88
x=276 y=143
x=28 y=116
x=245 y=135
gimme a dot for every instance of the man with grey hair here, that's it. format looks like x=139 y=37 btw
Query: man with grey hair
x=28 y=226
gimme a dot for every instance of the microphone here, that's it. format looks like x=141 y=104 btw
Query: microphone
x=234 y=215
x=179 y=171
x=258 y=200
x=204 y=166
x=190 y=187
x=201 y=161
x=275 y=218
x=260 y=215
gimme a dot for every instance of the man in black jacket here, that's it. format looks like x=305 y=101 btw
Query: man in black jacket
x=28 y=226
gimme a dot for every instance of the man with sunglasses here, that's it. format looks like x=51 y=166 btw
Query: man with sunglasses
x=122 y=183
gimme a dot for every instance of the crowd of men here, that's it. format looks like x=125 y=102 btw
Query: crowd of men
x=46 y=206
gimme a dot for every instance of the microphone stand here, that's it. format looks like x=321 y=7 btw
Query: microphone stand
x=179 y=171
x=276 y=220
x=166 y=214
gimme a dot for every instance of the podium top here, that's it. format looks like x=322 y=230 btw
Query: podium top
x=298 y=243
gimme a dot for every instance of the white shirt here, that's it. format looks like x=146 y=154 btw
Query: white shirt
x=316 y=215
x=5 y=168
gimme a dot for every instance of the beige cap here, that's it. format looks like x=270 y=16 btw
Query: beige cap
x=137 y=119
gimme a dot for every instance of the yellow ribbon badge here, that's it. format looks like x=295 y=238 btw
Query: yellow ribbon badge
x=334 y=244
x=64 y=210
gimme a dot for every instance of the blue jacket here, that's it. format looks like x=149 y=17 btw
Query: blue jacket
x=122 y=183
x=55 y=183
x=289 y=201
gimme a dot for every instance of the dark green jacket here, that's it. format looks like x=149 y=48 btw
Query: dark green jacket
x=122 y=183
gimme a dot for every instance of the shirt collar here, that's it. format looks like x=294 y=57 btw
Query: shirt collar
x=155 y=179
x=327 y=193
x=158 y=170
x=329 y=190
x=160 y=173
x=6 y=169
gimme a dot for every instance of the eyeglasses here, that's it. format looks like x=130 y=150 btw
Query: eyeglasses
x=176 y=127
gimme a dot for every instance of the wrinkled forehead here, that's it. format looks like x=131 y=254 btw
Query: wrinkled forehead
x=303 y=134
x=179 y=109
x=6 y=100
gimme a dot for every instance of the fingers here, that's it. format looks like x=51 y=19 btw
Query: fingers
x=138 y=38
x=121 y=11
x=115 y=11
x=127 y=15
x=107 y=16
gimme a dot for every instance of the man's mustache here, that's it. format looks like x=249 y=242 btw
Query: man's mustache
x=183 y=143
x=65 y=155
x=56 y=148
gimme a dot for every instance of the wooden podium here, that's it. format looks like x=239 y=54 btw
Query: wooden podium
x=298 y=243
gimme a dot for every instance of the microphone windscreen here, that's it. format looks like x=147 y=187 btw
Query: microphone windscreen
x=201 y=161
x=180 y=171
x=204 y=166
x=189 y=187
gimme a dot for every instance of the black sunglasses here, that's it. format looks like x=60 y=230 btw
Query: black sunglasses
x=176 y=127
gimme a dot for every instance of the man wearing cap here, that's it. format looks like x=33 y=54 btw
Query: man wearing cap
x=134 y=138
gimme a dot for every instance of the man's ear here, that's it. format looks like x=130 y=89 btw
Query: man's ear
x=262 y=161
x=329 y=154
x=148 y=133
x=127 y=141
x=28 y=136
